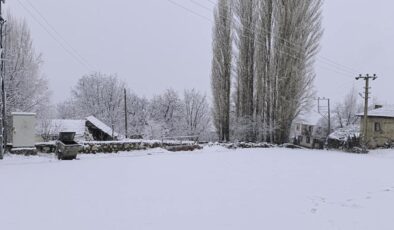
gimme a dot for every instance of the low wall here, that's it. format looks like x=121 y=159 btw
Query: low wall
x=24 y=151
x=92 y=147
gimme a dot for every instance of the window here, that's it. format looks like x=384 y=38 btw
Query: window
x=378 y=128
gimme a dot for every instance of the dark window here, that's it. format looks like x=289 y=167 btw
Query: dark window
x=378 y=128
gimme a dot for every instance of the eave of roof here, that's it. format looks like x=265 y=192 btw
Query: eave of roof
x=384 y=112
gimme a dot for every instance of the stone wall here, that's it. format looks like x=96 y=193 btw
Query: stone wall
x=24 y=151
x=92 y=147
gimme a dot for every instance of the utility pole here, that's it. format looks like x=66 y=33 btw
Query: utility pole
x=366 y=78
x=321 y=111
x=125 y=112
x=3 y=130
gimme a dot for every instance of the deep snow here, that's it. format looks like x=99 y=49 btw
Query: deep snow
x=213 y=188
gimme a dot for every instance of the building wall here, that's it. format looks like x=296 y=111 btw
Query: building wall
x=376 y=137
x=308 y=136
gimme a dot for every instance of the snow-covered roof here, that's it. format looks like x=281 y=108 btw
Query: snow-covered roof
x=100 y=125
x=60 y=125
x=23 y=114
x=343 y=133
x=308 y=118
x=386 y=111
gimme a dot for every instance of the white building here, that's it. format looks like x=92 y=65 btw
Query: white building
x=308 y=130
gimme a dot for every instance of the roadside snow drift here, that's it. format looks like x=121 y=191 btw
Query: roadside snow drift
x=214 y=188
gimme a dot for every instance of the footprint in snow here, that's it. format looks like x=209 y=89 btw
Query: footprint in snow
x=354 y=206
x=313 y=210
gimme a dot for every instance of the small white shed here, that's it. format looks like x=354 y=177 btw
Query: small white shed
x=23 y=130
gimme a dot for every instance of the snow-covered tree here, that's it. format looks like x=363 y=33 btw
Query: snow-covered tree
x=264 y=72
x=137 y=114
x=300 y=25
x=196 y=113
x=100 y=95
x=26 y=87
x=244 y=26
x=68 y=110
x=275 y=47
x=221 y=68
x=165 y=115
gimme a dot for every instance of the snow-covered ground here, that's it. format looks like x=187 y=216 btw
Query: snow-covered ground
x=213 y=188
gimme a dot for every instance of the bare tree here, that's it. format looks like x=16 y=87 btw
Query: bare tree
x=196 y=113
x=221 y=68
x=345 y=112
x=47 y=126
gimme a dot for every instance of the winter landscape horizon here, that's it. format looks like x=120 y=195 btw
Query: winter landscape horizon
x=196 y=114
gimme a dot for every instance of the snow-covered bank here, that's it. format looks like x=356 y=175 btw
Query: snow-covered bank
x=213 y=188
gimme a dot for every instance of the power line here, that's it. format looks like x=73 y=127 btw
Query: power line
x=190 y=11
x=201 y=5
x=76 y=58
x=336 y=71
x=349 y=74
x=321 y=58
x=57 y=33
x=339 y=64
x=212 y=2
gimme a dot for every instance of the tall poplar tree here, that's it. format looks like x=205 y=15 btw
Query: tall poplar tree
x=221 y=68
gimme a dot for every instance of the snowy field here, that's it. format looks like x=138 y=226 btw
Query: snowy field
x=214 y=188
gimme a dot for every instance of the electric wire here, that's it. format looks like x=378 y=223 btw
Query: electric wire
x=336 y=67
x=190 y=11
x=57 y=33
x=72 y=54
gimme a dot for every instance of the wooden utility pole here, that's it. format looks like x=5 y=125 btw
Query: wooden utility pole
x=3 y=128
x=329 y=117
x=366 y=78
x=125 y=113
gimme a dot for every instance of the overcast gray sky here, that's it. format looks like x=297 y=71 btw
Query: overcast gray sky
x=153 y=44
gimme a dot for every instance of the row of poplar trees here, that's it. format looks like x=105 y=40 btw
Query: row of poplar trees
x=262 y=68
